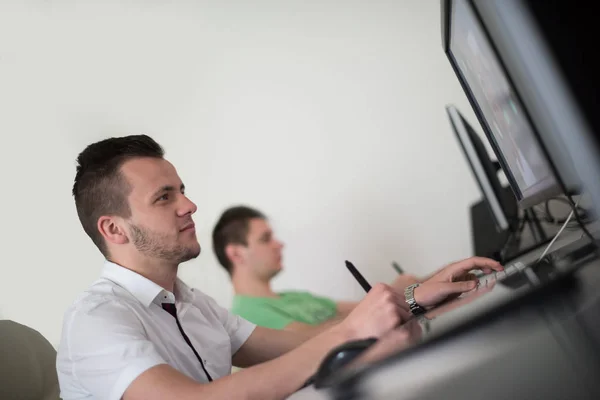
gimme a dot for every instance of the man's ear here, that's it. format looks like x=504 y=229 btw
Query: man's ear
x=113 y=229
x=235 y=253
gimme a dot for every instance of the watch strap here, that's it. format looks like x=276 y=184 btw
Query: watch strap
x=409 y=294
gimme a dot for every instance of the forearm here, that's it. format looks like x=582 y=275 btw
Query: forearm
x=279 y=378
x=272 y=346
x=309 y=331
x=330 y=323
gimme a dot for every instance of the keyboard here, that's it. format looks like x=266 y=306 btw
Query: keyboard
x=555 y=264
x=514 y=269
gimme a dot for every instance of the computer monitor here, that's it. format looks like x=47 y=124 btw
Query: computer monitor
x=483 y=168
x=498 y=107
x=548 y=49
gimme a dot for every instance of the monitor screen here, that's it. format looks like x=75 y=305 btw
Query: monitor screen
x=505 y=121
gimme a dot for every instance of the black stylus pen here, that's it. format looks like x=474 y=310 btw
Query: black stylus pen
x=361 y=280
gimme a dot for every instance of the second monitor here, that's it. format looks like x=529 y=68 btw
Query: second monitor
x=502 y=208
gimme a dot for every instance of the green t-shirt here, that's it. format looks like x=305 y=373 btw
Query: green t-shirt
x=291 y=306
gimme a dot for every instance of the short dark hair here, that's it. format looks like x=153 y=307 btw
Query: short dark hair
x=232 y=228
x=100 y=188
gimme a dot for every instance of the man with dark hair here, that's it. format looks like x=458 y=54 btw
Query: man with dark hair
x=245 y=245
x=100 y=188
x=247 y=248
x=139 y=332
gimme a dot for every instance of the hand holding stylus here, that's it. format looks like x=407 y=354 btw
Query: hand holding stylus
x=379 y=312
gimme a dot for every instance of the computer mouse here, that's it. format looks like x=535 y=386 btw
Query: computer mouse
x=338 y=357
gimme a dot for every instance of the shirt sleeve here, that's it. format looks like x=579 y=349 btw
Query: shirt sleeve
x=238 y=328
x=106 y=349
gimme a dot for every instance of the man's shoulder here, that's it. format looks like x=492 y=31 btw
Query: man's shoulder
x=247 y=306
x=102 y=295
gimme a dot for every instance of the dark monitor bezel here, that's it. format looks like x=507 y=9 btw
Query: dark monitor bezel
x=490 y=188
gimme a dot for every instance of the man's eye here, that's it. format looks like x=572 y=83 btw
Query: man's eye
x=164 y=197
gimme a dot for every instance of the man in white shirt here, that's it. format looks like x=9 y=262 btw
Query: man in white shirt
x=140 y=333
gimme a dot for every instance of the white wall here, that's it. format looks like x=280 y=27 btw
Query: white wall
x=329 y=117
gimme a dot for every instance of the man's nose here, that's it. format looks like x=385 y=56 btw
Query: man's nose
x=187 y=207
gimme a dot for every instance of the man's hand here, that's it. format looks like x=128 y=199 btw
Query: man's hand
x=378 y=313
x=453 y=280
x=402 y=281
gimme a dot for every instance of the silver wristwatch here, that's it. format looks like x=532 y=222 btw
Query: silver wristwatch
x=409 y=294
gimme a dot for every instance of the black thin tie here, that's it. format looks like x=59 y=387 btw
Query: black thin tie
x=171 y=309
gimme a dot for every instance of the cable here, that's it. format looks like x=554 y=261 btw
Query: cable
x=581 y=224
x=550 y=218
x=557 y=234
x=513 y=237
x=581 y=212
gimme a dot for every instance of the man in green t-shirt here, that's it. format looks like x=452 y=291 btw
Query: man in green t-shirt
x=246 y=247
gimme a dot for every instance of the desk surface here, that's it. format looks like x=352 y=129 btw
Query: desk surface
x=478 y=332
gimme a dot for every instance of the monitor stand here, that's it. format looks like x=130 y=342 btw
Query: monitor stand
x=530 y=237
x=524 y=235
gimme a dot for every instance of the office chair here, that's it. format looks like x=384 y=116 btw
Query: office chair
x=27 y=364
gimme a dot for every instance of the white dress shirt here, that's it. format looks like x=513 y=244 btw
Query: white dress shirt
x=117 y=329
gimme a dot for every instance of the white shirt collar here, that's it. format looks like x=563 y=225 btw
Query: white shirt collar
x=142 y=288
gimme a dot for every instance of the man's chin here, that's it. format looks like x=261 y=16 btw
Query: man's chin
x=195 y=254
x=275 y=272
x=190 y=254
